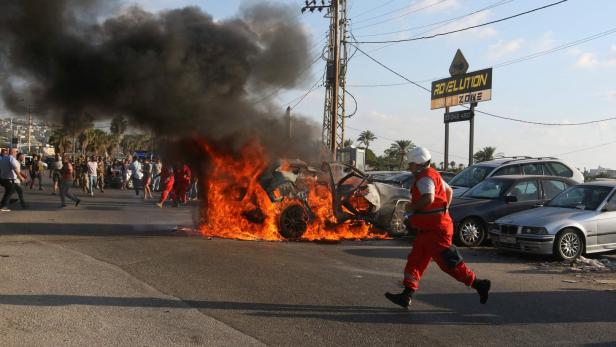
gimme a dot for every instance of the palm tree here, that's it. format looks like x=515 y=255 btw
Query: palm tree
x=100 y=141
x=347 y=143
x=85 y=138
x=118 y=128
x=485 y=154
x=60 y=140
x=366 y=137
x=399 y=149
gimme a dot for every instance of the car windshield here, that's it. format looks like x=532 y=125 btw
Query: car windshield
x=404 y=179
x=470 y=176
x=490 y=189
x=581 y=197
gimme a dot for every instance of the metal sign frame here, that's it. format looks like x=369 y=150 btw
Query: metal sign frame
x=461 y=88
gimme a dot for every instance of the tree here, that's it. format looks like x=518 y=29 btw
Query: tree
x=60 y=140
x=399 y=148
x=135 y=142
x=100 y=142
x=118 y=127
x=347 y=143
x=84 y=139
x=365 y=137
x=485 y=154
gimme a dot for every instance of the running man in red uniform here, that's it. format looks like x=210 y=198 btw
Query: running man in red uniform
x=431 y=197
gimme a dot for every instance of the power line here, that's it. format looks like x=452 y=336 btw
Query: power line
x=389 y=69
x=404 y=14
x=558 y=48
x=372 y=9
x=585 y=149
x=509 y=62
x=466 y=28
x=445 y=21
x=484 y=112
x=301 y=98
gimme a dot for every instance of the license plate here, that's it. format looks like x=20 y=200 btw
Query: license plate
x=507 y=239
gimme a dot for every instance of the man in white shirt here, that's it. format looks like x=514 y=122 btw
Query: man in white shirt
x=135 y=168
x=9 y=171
x=92 y=166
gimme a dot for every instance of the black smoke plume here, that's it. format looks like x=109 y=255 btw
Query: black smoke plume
x=178 y=73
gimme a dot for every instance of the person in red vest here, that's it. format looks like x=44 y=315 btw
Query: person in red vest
x=168 y=180
x=182 y=183
x=431 y=196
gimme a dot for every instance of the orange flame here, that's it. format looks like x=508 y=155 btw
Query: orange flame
x=239 y=208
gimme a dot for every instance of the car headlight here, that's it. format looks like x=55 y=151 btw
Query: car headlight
x=534 y=231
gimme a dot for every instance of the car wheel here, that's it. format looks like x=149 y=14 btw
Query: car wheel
x=397 y=227
x=293 y=222
x=471 y=232
x=568 y=245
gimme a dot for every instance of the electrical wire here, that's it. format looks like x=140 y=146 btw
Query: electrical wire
x=372 y=9
x=354 y=100
x=445 y=21
x=411 y=11
x=463 y=29
x=509 y=62
x=585 y=149
x=488 y=113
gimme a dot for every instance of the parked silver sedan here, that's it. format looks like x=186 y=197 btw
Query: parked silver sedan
x=581 y=219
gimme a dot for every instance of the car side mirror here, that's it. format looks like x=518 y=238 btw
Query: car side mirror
x=511 y=198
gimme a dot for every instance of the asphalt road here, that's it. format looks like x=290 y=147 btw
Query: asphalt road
x=115 y=271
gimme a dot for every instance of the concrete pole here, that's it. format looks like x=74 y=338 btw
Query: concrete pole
x=336 y=86
x=29 y=127
x=288 y=123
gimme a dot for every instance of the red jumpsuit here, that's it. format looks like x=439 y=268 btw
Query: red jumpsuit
x=168 y=180
x=434 y=235
x=182 y=183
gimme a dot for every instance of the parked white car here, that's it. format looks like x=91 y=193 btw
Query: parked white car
x=548 y=166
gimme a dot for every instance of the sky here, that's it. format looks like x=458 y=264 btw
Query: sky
x=571 y=85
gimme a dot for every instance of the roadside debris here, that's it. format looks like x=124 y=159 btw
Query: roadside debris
x=583 y=264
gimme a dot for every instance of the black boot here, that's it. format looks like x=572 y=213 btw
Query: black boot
x=403 y=299
x=483 y=288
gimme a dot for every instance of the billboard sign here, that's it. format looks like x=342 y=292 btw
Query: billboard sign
x=468 y=88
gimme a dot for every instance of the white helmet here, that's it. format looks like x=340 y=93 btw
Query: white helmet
x=418 y=155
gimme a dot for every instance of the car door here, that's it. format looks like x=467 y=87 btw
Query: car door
x=526 y=193
x=606 y=223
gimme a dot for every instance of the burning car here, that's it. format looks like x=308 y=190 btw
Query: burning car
x=248 y=197
x=356 y=197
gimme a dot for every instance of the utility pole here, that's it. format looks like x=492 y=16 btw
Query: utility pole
x=335 y=77
x=29 y=127
x=289 y=124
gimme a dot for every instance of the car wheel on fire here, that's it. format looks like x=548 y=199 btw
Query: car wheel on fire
x=293 y=222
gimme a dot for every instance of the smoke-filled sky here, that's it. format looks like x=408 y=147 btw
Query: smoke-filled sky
x=178 y=72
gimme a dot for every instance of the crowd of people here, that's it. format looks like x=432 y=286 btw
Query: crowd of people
x=175 y=182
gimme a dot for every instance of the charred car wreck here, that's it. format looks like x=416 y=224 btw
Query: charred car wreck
x=355 y=196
